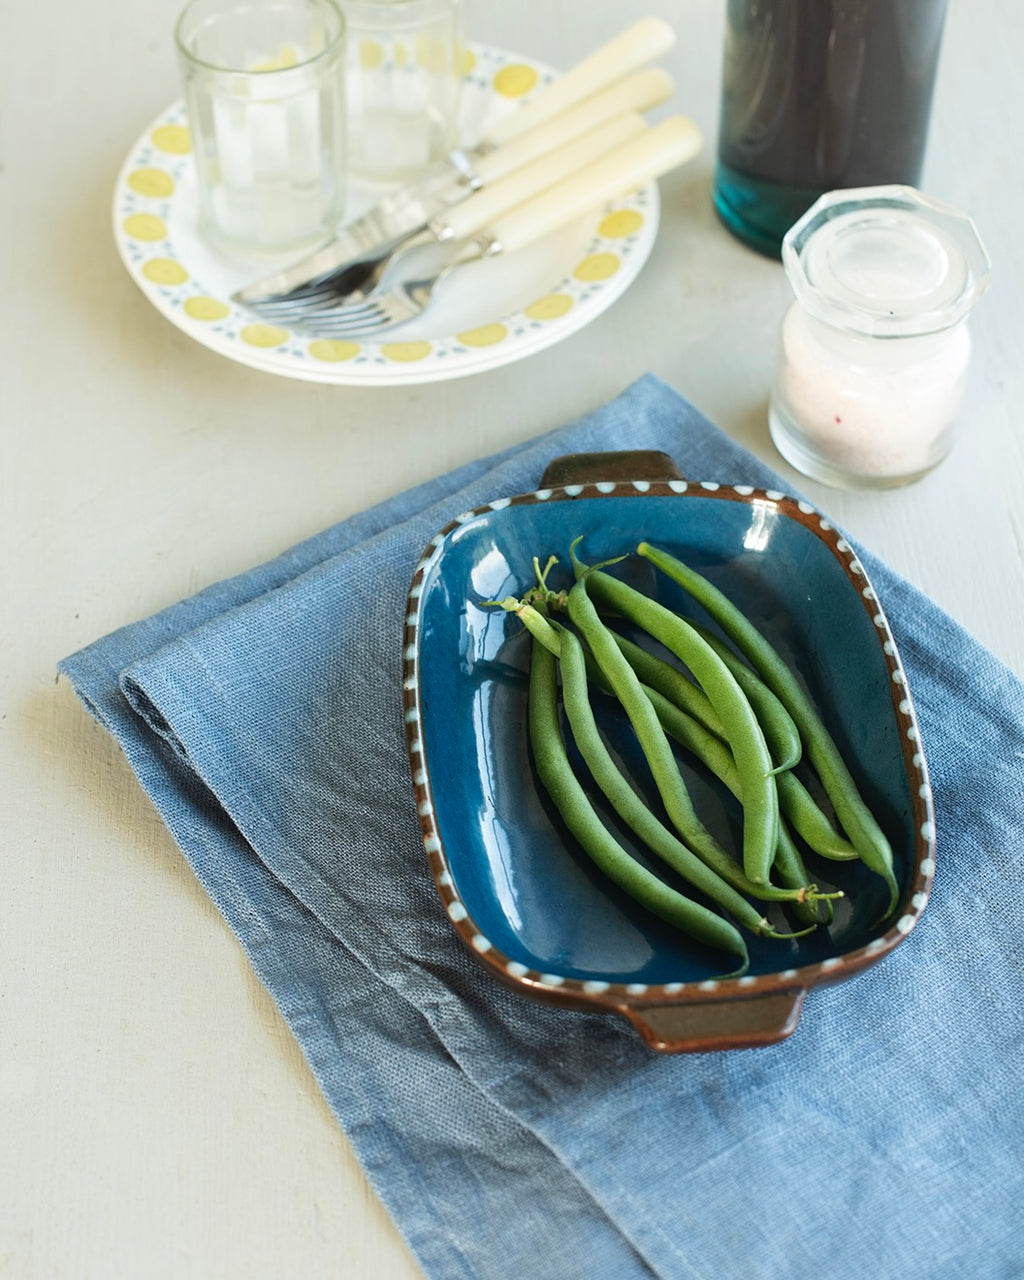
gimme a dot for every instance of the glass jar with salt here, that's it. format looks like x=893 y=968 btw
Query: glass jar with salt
x=874 y=352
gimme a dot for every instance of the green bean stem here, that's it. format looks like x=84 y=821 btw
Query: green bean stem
x=746 y=740
x=854 y=815
x=567 y=795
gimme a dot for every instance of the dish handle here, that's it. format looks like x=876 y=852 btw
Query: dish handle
x=620 y=465
x=701 y=1026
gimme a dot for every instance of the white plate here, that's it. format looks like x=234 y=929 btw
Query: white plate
x=487 y=314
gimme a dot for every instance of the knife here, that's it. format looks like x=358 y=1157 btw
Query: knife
x=566 y=109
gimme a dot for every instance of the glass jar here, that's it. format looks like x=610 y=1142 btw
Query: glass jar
x=817 y=95
x=874 y=351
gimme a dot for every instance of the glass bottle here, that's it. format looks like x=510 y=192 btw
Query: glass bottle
x=818 y=95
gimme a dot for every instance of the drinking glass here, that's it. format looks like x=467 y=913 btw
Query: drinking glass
x=405 y=64
x=265 y=91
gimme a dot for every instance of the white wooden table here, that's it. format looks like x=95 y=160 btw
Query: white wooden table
x=157 y=1117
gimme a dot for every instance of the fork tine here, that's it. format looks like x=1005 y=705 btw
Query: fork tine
x=338 y=326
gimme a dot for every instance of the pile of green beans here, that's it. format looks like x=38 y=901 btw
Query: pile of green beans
x=737 y=709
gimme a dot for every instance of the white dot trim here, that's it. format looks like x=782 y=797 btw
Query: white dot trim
x=605 y=486
x=480 y=943
x=595 y=987
x=516 y=970
x=573 y=490
x=499 y=504
x=678 y=486
x=457 y=911
x=641 y=486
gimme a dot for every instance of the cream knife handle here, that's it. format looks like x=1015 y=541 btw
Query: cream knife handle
x=661 y=148
x=637 y=92
x=633 y=48
x=480 y=210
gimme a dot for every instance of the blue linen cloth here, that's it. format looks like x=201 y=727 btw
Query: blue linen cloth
x=510 y=1139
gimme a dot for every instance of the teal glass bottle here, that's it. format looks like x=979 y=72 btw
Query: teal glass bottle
x=818 y=95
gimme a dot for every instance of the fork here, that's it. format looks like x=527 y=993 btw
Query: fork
x=654 y=152
x=358 y=282
x=357 y=257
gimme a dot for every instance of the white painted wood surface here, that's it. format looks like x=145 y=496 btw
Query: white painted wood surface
x=157 y=1118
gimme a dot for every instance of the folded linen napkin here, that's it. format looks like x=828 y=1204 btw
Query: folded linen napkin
x=264 y=718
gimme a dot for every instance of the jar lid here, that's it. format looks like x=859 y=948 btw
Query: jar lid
x=886 y=261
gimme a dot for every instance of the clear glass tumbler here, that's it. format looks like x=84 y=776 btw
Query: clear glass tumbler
x=265 y=90
x=405 y=65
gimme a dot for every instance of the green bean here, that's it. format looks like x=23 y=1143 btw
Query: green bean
x=852 y=812
x=692 y=735
x=760 y=796
x=723 y=884
x=795 y=801
x=810 y=823
x=569 y=798
x=780 y=731
x=671 y=683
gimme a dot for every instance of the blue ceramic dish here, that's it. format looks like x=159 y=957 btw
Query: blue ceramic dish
x=524 y=898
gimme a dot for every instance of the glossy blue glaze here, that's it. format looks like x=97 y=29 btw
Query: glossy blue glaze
x=527 y=887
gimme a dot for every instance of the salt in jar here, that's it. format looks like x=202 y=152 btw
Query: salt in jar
x=874 y=352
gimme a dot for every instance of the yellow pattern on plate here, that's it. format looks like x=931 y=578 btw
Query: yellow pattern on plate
x=550 y=307
x=485 y=336
x=515 y=80
x=264 y=335
x=175 y=139
x=165 y=271
x=599 y=266
x=333 y=349
x=145 y=226
x=202 y=307
x=151 y=182
x=406 y=352
x=623 y=222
